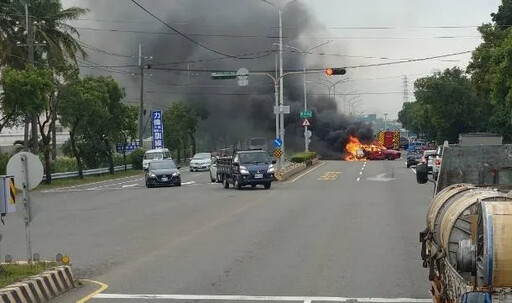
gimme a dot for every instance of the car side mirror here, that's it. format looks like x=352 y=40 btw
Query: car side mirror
x=274 y=161
x=422 y=173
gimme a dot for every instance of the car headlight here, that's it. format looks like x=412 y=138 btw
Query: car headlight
x=271 y=169
x=243 y=170
x=176 y=174
x=152 y=175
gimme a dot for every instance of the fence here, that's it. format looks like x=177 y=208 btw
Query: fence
x=88 y=172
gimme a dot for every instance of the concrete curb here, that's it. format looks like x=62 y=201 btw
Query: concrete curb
x=40 y=288
x=290 y=170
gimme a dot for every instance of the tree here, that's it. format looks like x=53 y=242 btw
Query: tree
x=180 y=125
x=446 y=106
x=55 y=31
x=80 y=104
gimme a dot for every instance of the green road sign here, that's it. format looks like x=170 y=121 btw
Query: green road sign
x=223 y=75
x=306 y=114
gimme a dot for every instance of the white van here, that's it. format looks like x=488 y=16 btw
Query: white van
x=155 y=154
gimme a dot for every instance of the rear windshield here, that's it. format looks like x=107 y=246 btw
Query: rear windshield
x=254 y=158
x=153 y=156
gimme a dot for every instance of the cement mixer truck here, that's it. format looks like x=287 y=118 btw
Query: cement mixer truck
x=467 y=244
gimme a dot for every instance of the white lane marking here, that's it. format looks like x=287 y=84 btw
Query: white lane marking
x=129 y=185
x=307 y=172
x=359 y=178
x=361 y=172
x=257 y=298
x=362 y=168
x=188 y=183
x=380 y=178
x=307 y=301
x=413 y=170
x=116 y=184
x=88 y=184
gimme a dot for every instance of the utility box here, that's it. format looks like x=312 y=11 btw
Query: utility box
x=7 y=195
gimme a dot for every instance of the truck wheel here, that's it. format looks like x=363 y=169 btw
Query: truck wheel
x=237 y=184
x=212 y=178
x=226 y=183
x=408 y=165
x=267 y=185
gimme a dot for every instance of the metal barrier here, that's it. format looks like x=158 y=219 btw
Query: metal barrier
x=87 y=172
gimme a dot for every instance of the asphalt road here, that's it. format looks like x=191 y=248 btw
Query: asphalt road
x=345 y=230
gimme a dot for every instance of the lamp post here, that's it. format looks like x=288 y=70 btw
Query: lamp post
x=304 y=53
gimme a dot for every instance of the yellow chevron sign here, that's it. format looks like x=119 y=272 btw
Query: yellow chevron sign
x=12 y=191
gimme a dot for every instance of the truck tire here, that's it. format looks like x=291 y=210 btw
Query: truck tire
x=226 y=183
x=237 y=184
x=212 y=178
x=267 y=185
x=408 y=165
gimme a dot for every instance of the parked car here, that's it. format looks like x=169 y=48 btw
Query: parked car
x=155 y=154
x=201 y=161
x=162 y=172
x=428 y=158
x=413 y=158
x=437 y=162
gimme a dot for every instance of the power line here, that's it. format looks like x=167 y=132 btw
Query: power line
x=274 y=37
x=184 y=35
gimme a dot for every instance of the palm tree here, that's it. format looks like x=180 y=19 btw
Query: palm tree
x=60 y=39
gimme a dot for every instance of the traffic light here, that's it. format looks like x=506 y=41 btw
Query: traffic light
x=335 y=71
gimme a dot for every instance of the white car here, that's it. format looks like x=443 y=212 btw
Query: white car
x=429 y=159
x=201 y=161
x=155 y=154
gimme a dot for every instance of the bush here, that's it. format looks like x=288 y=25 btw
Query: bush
x=4 y=158
x=63 y=165
x=303 y=157
x=136 y=157
x=119 y=160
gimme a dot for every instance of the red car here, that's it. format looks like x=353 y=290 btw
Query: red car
x=384 y=154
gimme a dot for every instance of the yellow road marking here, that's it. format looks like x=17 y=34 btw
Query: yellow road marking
x=330 y=176
x=307 y=172
x=102 y=288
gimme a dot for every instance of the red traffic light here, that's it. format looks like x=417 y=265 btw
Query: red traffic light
x=335 y=71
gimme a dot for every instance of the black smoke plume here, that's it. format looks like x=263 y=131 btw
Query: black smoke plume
x=231 y=27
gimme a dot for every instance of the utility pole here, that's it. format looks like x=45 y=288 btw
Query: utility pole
x=143 y=63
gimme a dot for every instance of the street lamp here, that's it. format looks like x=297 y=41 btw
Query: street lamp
x=304 y=53
x=281 y=99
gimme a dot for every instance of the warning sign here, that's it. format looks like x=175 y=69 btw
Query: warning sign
x=278 y=153
x=306 y=123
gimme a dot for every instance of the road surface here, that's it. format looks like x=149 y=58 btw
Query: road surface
x=342 y=231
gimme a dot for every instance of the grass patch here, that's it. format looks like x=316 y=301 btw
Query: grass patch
x=11 y=273
x=87 y=179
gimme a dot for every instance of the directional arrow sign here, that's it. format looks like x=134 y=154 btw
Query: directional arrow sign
x=380 y=178
x=306 y=123
x=278 y=142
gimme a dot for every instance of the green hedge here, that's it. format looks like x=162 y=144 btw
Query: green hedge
x=303 y=157
x=136 y=157
x=63 y=165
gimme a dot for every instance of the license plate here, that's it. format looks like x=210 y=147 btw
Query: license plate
x=165 y=179
x=258 y=176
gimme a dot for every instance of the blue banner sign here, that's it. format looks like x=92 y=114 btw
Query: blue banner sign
x=158 y=129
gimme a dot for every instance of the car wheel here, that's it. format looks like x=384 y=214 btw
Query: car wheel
x=267 y=185
x=212 y=178
x=237 y=184
x=253 y=185
x=226 y=183
x=178 y=183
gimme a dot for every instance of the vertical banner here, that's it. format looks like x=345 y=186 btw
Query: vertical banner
x=158 y=129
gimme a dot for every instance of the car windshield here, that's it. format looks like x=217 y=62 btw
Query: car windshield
x=155 y=165
x=153 y=156
x=201 y=156
x=254 y=158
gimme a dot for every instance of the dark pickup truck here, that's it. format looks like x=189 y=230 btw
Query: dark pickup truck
x=247 y=167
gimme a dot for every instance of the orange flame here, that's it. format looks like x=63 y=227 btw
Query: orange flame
x=357 y=151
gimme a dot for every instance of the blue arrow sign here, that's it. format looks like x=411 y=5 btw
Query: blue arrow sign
x=278 y=142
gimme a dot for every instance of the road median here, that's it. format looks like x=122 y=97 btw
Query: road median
x=43 y=287
x=294 y=168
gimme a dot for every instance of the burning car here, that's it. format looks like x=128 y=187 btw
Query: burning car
x=358 y=151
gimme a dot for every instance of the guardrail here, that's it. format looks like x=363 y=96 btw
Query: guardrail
x=87 y=172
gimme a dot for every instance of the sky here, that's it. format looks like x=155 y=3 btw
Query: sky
x=360 y=33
